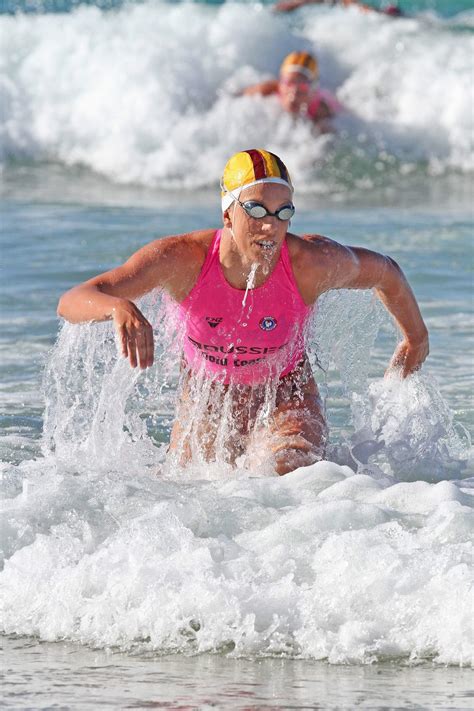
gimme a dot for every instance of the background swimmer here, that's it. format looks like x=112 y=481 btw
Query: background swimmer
x=297 y=90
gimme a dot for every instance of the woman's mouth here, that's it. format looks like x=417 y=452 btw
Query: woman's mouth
x=266 y=244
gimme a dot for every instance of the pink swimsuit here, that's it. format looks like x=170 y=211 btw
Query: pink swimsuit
x=323 y=96
x=244 y=336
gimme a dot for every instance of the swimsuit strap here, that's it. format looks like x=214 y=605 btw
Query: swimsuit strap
x=211 y=255
x=288 y=267
x=314 y=104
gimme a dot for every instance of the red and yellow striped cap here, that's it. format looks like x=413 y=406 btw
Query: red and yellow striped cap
x=301 y=63
x=251 y=167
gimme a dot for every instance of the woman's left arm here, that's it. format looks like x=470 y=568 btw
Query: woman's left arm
x=342 y=267
x=396 y=294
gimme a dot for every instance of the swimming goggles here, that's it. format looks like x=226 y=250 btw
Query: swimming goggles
x=296 y=84
x=258 y=211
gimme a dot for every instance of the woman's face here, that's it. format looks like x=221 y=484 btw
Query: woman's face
x=259 y=240
x=294 y=90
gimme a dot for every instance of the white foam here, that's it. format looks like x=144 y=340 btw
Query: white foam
x=319 y=564
x=410 y=422
x=102 y=548
x=145 y=94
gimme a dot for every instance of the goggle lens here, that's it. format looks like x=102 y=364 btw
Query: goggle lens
x=300 y=84
x=285 y=213
x=258 y=211
x=255 y=210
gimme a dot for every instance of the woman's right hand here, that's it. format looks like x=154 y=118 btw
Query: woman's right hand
x=135 y=334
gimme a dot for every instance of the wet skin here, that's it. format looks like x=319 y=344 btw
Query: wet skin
x=247 y=241
x=294 y=435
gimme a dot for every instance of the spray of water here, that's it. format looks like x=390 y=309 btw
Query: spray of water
x=250 y=282
x=118 y=557
x=100 y=414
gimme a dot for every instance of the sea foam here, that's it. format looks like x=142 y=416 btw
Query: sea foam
x=105 y=545
x=320 y=564
x=147 y=94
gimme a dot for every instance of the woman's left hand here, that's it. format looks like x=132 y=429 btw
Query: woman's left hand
x=409 y=356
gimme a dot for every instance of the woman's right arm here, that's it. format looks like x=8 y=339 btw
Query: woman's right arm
x=263 y=88
x=290 y=5
x=171 y=263
x=92 y=302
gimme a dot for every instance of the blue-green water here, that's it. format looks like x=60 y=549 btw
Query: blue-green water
x=115 y=128
x=444 y=8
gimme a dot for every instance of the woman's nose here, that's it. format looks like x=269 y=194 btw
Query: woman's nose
x=269 y=223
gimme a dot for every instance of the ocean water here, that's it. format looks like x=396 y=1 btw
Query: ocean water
x=146 y=94
x=443 y=8
x=128 y=582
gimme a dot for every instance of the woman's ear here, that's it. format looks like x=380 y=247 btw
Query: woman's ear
x=226 y=219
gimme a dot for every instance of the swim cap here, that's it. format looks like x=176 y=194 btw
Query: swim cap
x=302 y=63
x=248 y=168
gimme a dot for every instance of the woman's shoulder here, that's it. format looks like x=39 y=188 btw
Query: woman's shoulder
x=307 y=244
x=178 y=258
x=188 y=245
x=313 y=258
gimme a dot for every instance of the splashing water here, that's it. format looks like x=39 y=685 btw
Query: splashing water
x=168 y=120
x=120 y=557
x=102 y=414
x=406 y=427
x=250 y=282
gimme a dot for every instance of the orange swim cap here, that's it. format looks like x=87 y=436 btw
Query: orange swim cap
x=251 y=167
x=301 y=63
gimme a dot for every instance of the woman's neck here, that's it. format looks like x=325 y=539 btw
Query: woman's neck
x=240 y=269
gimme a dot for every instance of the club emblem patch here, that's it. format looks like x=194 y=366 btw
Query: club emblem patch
x=212 y=321
x=268 y=323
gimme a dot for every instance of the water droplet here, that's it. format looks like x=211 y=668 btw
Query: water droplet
x=250 y=281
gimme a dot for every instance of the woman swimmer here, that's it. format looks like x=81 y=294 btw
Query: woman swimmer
x=244 y=293
x=297 y=90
